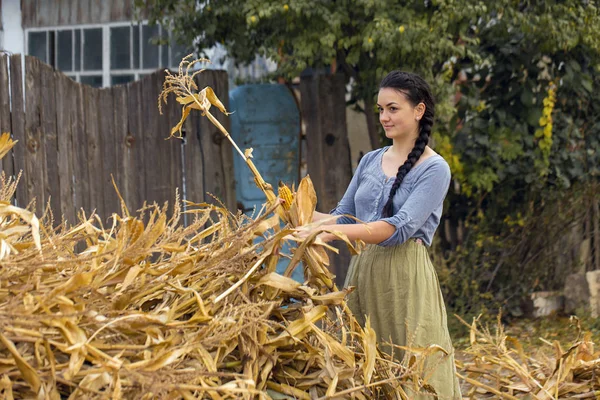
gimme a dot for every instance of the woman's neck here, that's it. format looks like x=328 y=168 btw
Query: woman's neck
x=401 y=147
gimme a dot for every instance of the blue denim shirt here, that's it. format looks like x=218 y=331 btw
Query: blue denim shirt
x=417 y=204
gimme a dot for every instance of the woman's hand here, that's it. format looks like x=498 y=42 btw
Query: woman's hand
x=304 y=232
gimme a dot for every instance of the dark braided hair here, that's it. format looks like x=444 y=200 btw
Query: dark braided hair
x=416 y=91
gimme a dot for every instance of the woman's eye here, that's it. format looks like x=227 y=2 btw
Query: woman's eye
x=393 y=108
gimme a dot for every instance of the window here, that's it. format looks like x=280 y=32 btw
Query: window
x=105 y=55
x=92 y=49
x=38 y=45
x=92 y=80
x=120 y=48
x=150 y=52
x=64 y=50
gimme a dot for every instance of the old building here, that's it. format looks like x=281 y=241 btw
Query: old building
x=99 y=42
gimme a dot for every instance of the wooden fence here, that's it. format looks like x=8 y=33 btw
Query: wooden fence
x=74 y=138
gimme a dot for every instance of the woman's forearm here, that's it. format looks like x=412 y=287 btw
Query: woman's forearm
x=372 y=232
x=319 y=216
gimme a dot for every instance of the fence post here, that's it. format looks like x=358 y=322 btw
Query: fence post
x=323 y=103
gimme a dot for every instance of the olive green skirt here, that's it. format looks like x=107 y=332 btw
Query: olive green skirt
x=398 y=288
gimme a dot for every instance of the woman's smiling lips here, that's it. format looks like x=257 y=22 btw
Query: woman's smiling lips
x=386 y=127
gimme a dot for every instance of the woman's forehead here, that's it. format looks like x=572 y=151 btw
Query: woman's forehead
x=389 y=95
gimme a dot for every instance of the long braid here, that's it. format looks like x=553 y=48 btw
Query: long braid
x=420 y=92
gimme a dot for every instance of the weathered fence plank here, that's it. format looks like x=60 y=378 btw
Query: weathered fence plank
x=209 y=156
x=81 y=187
x=151 y=166
x=124 y=160
x=94 y=150
x=194 y=160
x=18 y=125
x=49 y=139
x=136 y=180
x=5 y=123
x=221 y=86
x=65 y=146
x=161 y=148
x=34 y=142
x=106 y=133
x=171 y=155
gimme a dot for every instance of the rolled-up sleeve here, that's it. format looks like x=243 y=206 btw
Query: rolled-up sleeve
x=426 y=196
x=347 y=205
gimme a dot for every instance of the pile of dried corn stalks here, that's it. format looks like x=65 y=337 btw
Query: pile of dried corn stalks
x=148 y=308
x=499 y=368
x=155 y=309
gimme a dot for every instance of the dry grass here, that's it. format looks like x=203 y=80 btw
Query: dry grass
x=498 y=366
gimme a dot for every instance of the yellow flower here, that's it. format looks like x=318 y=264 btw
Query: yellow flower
x=286 y=7
x=538 y=133
x=253 y=19
x=401 y=29
x=370 y=40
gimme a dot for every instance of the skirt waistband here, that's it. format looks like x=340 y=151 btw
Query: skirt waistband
x=417 y=242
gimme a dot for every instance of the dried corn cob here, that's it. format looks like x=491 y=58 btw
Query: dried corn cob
x=285 y=194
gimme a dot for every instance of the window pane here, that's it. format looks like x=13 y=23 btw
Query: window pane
x=52 y=48
x=119 y=48
x=92 y=49
x=38 y=45
x=164 y=57
x=121 y=79
x=150 y=50
x=164 y=48
x=78 y=50
x=93 y=80
x=64 y=50
x=136 y=47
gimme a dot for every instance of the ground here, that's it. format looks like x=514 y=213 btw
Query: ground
x=533 y=334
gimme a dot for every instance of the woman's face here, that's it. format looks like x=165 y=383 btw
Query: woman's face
x=397 y=115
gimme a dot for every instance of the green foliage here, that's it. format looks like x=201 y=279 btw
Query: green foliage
x=527 y=137
x=527 y=60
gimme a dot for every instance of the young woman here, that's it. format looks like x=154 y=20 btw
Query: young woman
x=399 y=192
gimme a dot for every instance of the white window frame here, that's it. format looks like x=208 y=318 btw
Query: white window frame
x=106 y=72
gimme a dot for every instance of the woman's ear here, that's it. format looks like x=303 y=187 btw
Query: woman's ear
x=419 y=111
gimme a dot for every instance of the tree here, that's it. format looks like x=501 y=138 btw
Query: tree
x=362 y=38
x=526 y=147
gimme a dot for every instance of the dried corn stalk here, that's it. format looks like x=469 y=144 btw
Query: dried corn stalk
x=148 y=308
x=300 y=213
x=499 y=368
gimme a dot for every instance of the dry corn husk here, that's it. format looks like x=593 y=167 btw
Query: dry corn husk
x=148 y=308
x=498 y=367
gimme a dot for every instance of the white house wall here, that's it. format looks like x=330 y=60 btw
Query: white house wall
x=12 y=39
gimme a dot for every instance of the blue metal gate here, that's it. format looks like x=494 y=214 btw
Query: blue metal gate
x=266 y=118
